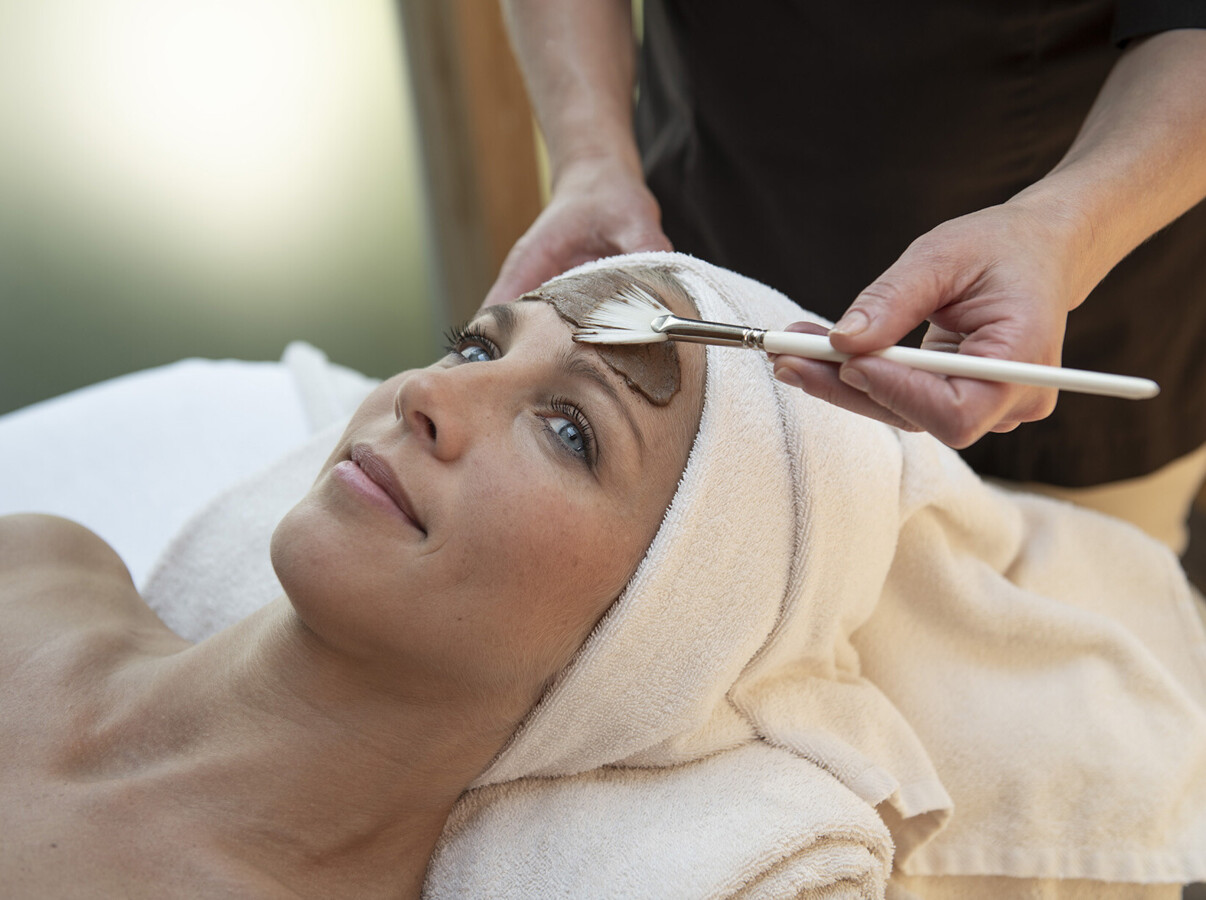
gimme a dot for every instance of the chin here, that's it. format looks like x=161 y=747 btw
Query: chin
x=309 y=556
x=340 y=582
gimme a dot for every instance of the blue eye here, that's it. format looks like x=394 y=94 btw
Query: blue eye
x=569 y=434
x=474 y=353
x=572 y=430
x=471 y=345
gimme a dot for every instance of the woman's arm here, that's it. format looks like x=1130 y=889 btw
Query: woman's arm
x=1000 y=282
x=578 y=61
x=1139 y=160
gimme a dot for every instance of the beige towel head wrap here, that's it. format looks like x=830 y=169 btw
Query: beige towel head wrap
x=856 y=595
x=740 y=587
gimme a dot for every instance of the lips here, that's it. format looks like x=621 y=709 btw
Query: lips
x=379 y=472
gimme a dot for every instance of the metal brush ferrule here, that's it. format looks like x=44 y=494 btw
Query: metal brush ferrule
x=697 y=331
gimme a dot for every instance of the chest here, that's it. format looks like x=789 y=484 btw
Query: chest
x=69 y=838
x=68 y=831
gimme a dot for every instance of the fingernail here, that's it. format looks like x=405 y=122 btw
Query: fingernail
x=854 y=322
x=854 y=378
x=788 y=377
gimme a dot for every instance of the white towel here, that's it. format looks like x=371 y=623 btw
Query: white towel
x=133 y=457
x=1025 y=677
x=754 y=822
x=1016 y=684
x=737 y=622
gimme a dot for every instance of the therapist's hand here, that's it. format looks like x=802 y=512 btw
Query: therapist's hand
x=598 y=208
x=996 y=283
x=1000 y=282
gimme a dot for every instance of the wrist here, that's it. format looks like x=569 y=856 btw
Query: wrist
x=1136 y=164
x=595 y=162
x=1088 y=240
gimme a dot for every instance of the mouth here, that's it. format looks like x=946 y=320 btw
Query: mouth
x=379 y=473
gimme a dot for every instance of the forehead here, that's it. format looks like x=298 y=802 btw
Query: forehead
x=652 y=370
x=664 y=433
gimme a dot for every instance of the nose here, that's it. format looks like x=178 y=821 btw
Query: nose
x=444 y=409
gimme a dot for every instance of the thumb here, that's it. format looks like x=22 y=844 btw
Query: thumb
x=642 y=238
x=528 y=265
x=891 y=306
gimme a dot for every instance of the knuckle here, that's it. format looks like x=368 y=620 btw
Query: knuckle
x=959 y=427
x=1034 y=404
x=645 y=237
x=963 y=436
x=975 y=414
x=883 y=293
x=1043 y=406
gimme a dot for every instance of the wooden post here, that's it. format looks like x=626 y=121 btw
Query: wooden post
x=476 y=134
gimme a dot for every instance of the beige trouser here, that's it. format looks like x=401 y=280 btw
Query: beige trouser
x=1158 y=503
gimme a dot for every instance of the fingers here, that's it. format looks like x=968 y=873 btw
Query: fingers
x=958 y=411
x=989 y=285
x=534 y=260
x=821 y=380
x=892 y=306
x=642 y=239
x=579 y=225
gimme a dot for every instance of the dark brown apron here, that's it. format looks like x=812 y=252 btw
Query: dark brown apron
x=807 y=144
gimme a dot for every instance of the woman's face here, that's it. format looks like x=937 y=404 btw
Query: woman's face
x=478 y=516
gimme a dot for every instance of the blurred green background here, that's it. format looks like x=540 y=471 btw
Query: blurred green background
x=173 y=186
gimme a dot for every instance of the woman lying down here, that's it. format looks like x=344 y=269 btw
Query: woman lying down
x=538 y=558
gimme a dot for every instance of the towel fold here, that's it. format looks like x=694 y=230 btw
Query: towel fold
x=1017 y=685
x=1056 y=677
x=754 y=822
x=217 y=569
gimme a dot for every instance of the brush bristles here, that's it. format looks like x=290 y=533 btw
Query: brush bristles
x=626 y=318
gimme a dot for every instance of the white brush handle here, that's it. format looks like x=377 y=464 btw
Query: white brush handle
x=817 y=346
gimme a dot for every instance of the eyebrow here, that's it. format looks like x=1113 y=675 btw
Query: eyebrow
x=505 y=317
x=575 y=362
x=578 y=361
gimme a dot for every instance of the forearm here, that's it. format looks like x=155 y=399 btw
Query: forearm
x=578 y=62
x=1139 y=160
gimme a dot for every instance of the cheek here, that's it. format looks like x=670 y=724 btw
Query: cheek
x=346 y=578
x=552 y=537
x=563 y=569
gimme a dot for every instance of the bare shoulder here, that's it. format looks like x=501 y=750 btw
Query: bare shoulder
x=32 y=540
x=56 y=576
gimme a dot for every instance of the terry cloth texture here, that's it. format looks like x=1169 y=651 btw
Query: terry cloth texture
x=754 y=822
x=1018 y=686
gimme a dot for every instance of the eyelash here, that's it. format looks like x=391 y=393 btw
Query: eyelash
x=460 y=337
x=565 y=408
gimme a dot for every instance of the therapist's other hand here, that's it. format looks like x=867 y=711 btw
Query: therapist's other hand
x=993 y=283
x=597 y=209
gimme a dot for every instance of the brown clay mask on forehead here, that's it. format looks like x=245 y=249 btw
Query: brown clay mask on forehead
x=652 y=370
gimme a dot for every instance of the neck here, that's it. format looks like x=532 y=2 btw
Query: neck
x=311 y=761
